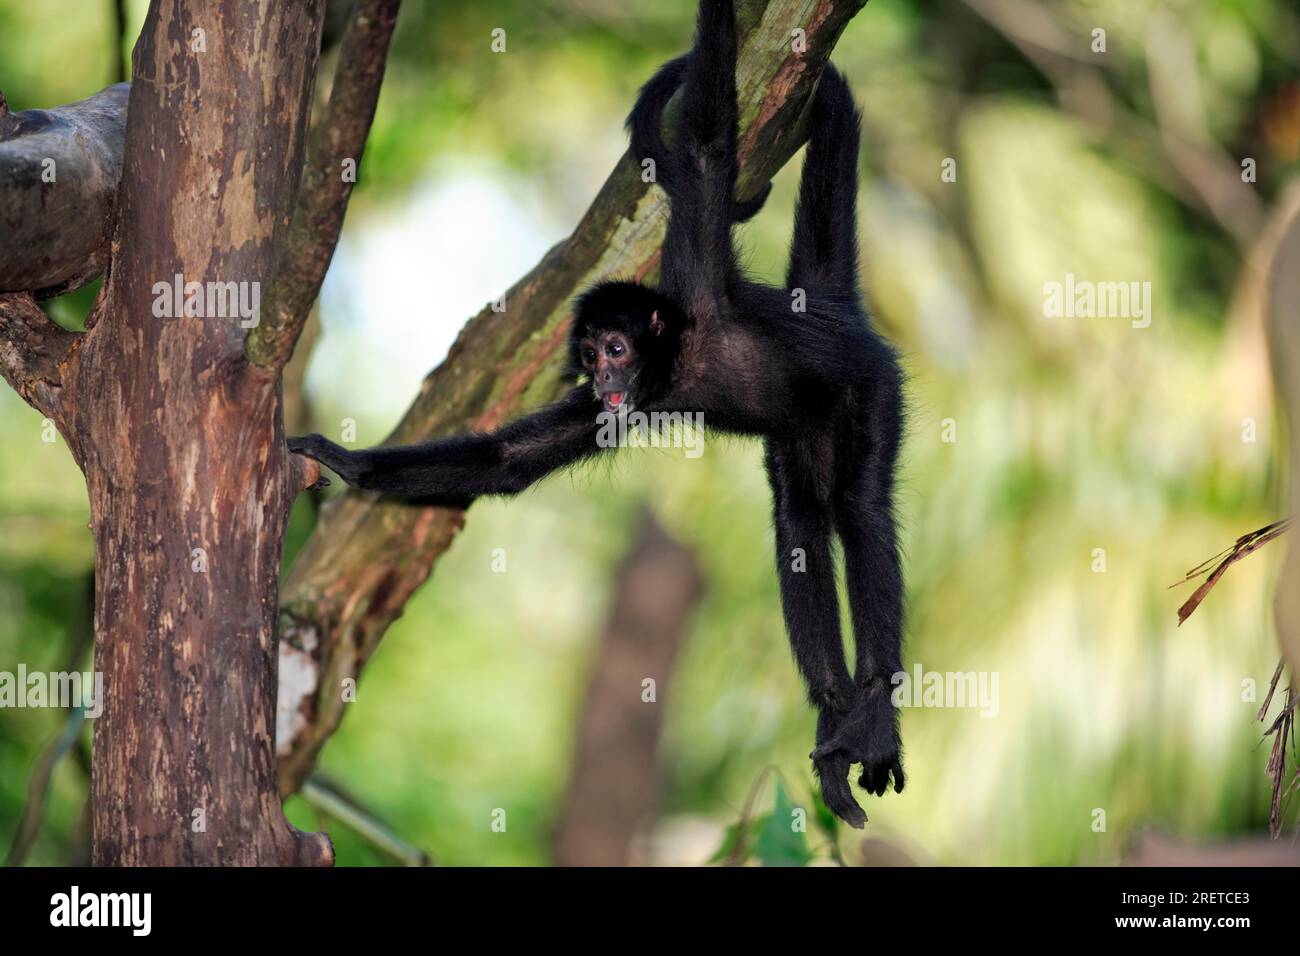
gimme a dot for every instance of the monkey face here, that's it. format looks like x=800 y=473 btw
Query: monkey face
x=625 y=336
x=610 y=358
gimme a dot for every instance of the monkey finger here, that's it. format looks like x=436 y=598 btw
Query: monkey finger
x=873 y=780
x=833 y=773
x=302 y=444
x=839 y=798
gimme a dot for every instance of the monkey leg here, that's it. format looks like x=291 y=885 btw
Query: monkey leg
x=807 y=575
x=869 y=735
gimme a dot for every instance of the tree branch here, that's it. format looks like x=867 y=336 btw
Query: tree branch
x=33 y=352
x=59 y=171
x=327 y=797
x=338 y=139
x=368 y=555
x=38 y=786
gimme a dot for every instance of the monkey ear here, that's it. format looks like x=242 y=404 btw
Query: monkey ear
x=656 y=323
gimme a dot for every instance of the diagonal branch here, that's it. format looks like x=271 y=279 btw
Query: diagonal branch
x=333 y=154
x=34 y=351
x=329 y=798
x=367 y=556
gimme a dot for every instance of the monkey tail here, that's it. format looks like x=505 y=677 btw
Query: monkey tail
x=645 y=122
x=645 y=126
x=824 y=251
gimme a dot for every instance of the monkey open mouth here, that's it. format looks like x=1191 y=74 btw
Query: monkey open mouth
x=613 y=400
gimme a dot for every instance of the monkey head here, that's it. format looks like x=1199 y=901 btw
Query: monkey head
x=625 y=338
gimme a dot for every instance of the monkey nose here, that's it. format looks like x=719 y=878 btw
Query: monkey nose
x=606 y=377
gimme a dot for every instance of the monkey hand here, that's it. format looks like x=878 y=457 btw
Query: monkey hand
x=335 y=457
x=866 y=734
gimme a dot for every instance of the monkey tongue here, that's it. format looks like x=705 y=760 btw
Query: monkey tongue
x=614 y=399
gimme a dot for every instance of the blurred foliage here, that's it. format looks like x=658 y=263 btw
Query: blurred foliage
x=1071 y=435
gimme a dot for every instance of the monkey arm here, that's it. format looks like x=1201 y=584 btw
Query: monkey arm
x=699 y=173
x=457 y=470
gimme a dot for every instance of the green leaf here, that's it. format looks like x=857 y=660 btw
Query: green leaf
x=780 y=843
x=826 y=819
x=728 y=844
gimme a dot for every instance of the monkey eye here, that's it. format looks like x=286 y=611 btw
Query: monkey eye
x=614 y=349
x=589 y=355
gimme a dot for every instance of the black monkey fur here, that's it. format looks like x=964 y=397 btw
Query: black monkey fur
x=820 y=387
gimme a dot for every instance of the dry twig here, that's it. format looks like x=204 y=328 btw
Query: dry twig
x=1244 y=545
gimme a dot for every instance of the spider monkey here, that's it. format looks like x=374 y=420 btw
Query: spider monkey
x=819 y=386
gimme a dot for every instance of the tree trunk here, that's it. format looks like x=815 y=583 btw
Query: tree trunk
x=178 y=435
x=180 y=440
x=615 y=778
x=178 y=428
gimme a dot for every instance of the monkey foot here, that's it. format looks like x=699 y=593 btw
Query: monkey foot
x=866 y=735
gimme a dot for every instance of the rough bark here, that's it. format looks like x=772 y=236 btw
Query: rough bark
x=367 y=556
x=181 y=444
x=59 y=172
x=615 y=780
x=33 y=352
